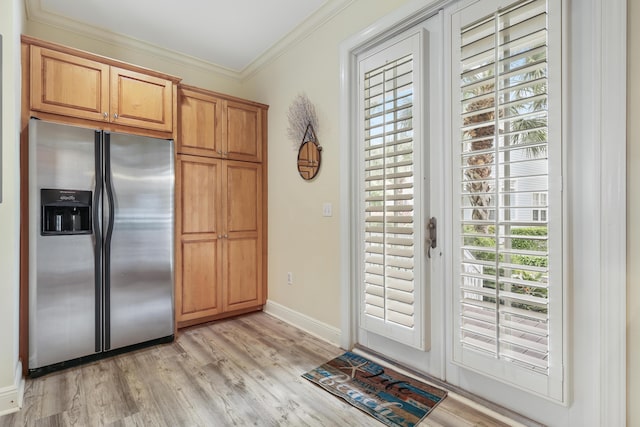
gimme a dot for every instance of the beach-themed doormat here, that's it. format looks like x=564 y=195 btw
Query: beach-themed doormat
x=390 y=397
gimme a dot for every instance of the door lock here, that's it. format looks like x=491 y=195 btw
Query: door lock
x=432 y=240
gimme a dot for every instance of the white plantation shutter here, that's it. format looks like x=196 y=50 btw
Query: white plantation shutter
x=508 y=157
x=390 y=280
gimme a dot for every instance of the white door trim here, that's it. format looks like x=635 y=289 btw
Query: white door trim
x=611 y=56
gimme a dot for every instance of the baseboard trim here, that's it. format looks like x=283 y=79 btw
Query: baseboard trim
x=11 y=397
x=304 y=322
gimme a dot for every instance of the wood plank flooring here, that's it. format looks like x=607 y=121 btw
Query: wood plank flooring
x=244 y=371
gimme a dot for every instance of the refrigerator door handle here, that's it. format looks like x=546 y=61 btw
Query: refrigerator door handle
x=107 y=241
x=97 y=220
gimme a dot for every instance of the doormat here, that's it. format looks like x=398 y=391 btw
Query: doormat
x=388 y=396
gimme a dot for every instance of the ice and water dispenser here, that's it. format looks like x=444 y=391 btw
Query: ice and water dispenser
x=65 y=212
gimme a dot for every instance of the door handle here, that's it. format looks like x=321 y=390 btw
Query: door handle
x=108 y=198
x=432 y=231
x=97 y=230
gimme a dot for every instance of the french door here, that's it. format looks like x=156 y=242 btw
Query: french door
x=399 y=188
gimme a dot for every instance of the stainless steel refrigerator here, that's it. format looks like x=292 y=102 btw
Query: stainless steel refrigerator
x=100 y=243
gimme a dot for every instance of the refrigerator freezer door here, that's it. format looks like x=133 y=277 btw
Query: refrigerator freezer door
x=62 y=268
x=140 y=288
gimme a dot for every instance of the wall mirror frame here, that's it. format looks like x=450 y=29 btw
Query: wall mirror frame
x=309 y=155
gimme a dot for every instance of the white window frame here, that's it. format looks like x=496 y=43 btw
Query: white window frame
x=595 y=46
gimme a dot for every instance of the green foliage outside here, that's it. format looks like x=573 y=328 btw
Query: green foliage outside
x=525 y=243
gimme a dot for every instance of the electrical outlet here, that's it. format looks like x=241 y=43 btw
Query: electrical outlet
x=290 y=278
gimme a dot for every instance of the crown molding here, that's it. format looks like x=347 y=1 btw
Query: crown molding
x=327 y=11
x=36 y=13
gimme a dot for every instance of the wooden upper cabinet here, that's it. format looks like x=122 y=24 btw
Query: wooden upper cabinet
x=76 y=86
x=200 y=128
x=68 y=85
x=215 y=125
x=141 y=100
x=244 y=132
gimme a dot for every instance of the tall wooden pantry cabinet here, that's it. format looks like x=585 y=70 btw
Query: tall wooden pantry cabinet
x=221 y=206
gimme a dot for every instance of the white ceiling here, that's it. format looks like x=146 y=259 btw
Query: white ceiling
x=230 y=34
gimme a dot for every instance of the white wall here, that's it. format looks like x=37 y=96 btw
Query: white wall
x=11 y=24
x=633 y=207
x=301 y=240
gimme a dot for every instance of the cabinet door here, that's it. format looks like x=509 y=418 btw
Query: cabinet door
x=140 y=100
x=243 y=132
x=200 y=124
x=243 y=243
x=200 y=195
x=55 y=81
x=199 y=273
x=199 y=291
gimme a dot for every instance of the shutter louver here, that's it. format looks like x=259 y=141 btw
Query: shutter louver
x=504 y=274
x=389 y=286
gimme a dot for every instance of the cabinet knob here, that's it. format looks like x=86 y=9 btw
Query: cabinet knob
x=115 y=115
x=219 y=151
x=225 y=154
x=226 y=236
x=106 y=115
x=219 y=236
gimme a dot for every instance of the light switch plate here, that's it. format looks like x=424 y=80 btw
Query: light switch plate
x=327 y=209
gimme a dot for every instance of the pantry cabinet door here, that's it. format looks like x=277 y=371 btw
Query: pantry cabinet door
x=200 y=291
x=199 y=254
x=242 y=257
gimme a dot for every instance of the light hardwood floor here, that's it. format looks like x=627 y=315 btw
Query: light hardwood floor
x=237 y=372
